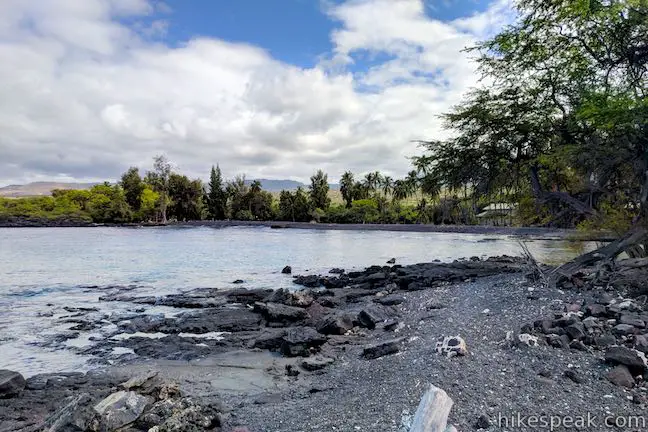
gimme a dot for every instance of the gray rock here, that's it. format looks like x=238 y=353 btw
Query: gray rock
x=574 y=376
x=390 y=300
x=621 y=376
x=557 y=341
x=641 y=343
x=626 y=356
x=336 y=323
x=301 y=341
x=75 y=415
x=624 y=329
x=381 y=349
x=373 y=314
x=377 y=277
x=121 y=408
x=316 y=363
x=483 y=422
x=596 y=310
x=286 y=270
x=11 y=383
x=392 y=261
x=605 y=340
x=575 y=331
x=275 y=312
x=632 y=320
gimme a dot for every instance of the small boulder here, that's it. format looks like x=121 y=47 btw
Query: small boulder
x=316 y=363
x=596 y=310
x=381 y=349
x=641 y=343
x=632 y=320
x=122 y=408
x=575 y=331
x=11 y=383
x=626 y=356
x=301 y=341
x=336 y=324
x=286 y=270
x=390 y=300
x=275 y=312
x=624 y=329
x=373 y=314
x=483 y=422
x=574 y=376
x=392 y=261
x=621 y=376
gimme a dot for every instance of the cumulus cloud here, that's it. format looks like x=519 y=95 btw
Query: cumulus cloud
x=83 y=95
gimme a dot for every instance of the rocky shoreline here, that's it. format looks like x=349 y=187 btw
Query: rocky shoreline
x=352 y=351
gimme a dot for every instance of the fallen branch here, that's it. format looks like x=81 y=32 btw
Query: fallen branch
x=432 y=412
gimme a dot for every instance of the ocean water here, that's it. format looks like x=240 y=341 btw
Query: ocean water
x=44 y=270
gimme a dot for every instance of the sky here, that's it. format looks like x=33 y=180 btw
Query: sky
x=267 y=88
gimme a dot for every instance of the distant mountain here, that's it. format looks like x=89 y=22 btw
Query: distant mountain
x=39 y=188
x=277 y=185
x=289 y=185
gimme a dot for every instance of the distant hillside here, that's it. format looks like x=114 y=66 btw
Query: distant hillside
x=278 y=185
x=39 y=188
x=290 y=185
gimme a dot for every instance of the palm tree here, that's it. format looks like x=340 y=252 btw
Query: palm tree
x=400 y=191
x=387 y=185
x=347 y=185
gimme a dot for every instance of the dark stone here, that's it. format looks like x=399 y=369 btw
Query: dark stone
x=632 y=320
x=624 y=329
x=336 y=271
x=286 y=270
x=373 y=314
x=246 y=296
x=625 y=356
x=575 y=331
x=597 y=310
x=310 y=281
x=227 y=320
x=316 y=363
x=301 y=341
x=336 y=324
x=390 y=300
x=238 y=281
x=641 y=343
x=566 y=320
x=381 y=349
x=377 y=277
x=11 y=383
x=605 y=341
x=392 y=261
x=557 y=341
x=292 y=371
x=574 y=376
x=270 y=339
x=578 y=345
x=415 y=286
x=483 y=422
x=278 y=313
x=621 y=376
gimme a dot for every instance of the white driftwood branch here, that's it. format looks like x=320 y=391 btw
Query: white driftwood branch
x=432 y=412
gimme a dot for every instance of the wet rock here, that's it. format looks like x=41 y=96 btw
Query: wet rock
x=301 y=341
x=11 y=383
x=621 y=376
x=337 y=323
x=626 y=356
x=286 y=270
x=76 y=415
x=310 y=281
x=238 y=281
x=451 y=346
x=121 y=408
x=279 y=313
x=247 y=296
x=373 y=314
x=316 y=363
x=217 y=320
x=392 y=261
x=376 y=277
x=336 y=271
x=390 y=300
x=381 y=349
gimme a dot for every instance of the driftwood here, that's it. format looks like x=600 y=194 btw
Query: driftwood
x=432 y=412
x=604 y=254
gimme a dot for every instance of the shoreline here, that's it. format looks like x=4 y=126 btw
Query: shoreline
x=353 y=351
x=556 y=233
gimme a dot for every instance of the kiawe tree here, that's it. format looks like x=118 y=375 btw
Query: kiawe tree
x=563 y=116
x=133 y=186
x=159 y=181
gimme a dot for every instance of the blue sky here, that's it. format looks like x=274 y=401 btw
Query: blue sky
x=294 y=31
x=266 y=88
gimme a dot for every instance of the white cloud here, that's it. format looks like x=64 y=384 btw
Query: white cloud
x=83 y=96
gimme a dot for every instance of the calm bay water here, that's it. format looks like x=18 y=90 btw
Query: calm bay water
x=43 y=270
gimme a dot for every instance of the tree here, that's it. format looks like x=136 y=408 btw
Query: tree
x=185 y=197
x=217 y=198
x=347 y=185
x=563 y=117
x=159 y=181
x=132 y=184
x=294 y=206
x=236 y=191
x=319 y=191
